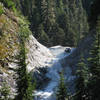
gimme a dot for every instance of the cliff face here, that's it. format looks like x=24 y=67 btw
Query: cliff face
x=37 y=54
x=8 y=49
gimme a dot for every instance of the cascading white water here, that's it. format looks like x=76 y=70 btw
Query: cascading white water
x=54 y=69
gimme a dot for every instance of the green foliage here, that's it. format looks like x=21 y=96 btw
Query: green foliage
x=25 y=86
x=30 y=89
x=72 y=22
x=42 y=36
x=24 y=30
x=82 y=80
x=4 y=92
x=94 y=64
x=89 y=90
x=94 y=60
x=1 y=9
x=22 y=73
x=26 y=6
x=60 y=6
x=62 y=90
x=58 y=35
x=9 y=4
x=7 y=48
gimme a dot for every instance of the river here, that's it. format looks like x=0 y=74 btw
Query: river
x=54 y=68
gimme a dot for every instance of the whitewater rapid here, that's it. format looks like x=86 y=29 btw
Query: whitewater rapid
x=54 y=68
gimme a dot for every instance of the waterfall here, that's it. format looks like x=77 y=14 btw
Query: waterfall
x=54 y=68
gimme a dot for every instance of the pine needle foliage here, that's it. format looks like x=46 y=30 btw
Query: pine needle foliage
x=1 y=9
x=25 y=86
x=62 y=90
x=9 y=4
x=94 y=65
x=82 y=80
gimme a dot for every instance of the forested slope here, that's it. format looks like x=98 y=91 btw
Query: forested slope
x=63 y=21
x=73 y=23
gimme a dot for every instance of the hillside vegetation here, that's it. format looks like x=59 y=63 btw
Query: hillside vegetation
x=51 y=22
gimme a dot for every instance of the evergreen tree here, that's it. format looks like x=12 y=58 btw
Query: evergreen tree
x=26 y=7
x=69 y=15
x=59 y=7
x=25 y=88
x=58 y=35
x=74 y=21
x=78 y=20
x=94 y=64
x=48 y=16
x=62 y=90
x=42 y=36
x=82 y=80
x=30 y=88
x=8 y=3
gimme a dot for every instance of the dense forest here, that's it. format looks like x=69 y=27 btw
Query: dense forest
x=63 y=21
x=52 y=22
